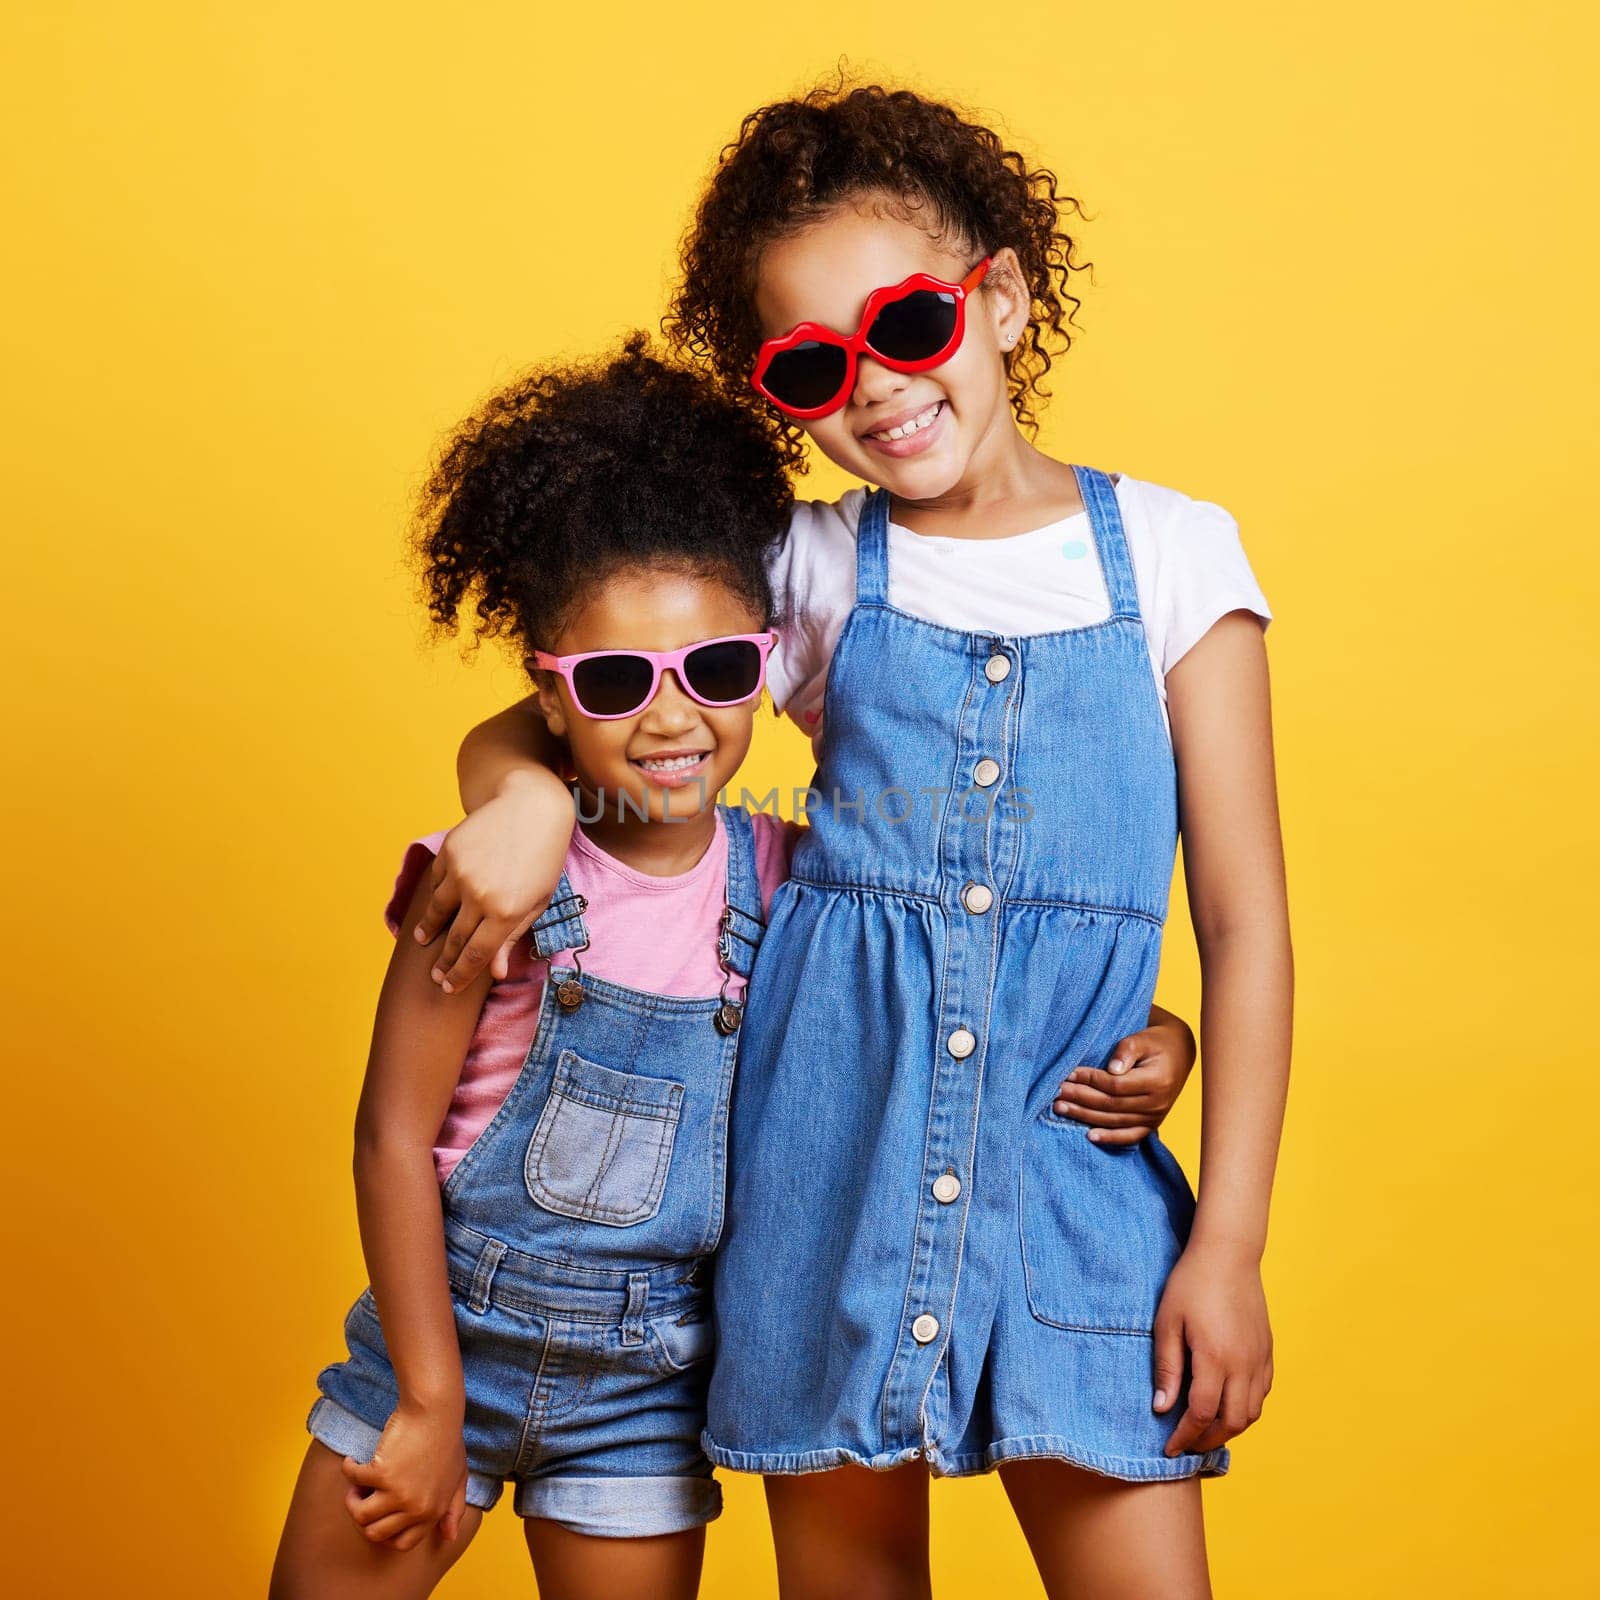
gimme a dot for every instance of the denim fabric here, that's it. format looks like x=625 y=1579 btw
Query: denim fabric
x=921 y=1259
x=576 y=1229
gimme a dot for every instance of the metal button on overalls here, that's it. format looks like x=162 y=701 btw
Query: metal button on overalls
x=962 y=1043
x=986 y=773
x=977 y=898
x=946 y=1187
x=997 y=669
x=925 y=1329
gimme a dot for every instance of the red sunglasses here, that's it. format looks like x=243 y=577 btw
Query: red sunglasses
x=810 y=371
x=607 y=684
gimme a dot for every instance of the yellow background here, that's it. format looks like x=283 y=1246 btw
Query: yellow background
x=258 y=257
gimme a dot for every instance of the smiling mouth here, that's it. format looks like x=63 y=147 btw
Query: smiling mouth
x=671 y=769
x=912 y=425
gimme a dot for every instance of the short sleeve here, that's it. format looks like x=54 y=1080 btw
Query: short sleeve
x=417 y=860
x=1191 y=570
x=813 y=577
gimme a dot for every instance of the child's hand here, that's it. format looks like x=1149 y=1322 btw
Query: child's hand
x=494 y=874
x=1215 y=1308
x=417 y=1478
x=1141 y=1084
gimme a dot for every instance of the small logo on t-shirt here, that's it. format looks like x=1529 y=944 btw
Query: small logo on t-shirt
x=1074 y=549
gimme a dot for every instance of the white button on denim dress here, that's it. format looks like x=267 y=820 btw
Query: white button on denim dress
x=981 y=1279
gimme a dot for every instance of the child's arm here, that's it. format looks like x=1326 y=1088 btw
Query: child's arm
x=497 y=869
x=1218 y=699
x=1139 y=1086
x=418 y=1475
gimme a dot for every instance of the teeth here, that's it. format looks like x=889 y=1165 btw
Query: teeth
x=669 y=764
x=922 y=420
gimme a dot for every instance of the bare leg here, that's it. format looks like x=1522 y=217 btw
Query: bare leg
x=1097 y=1538
x=323 y=1553
x=851 y=1534
x=578 y=1566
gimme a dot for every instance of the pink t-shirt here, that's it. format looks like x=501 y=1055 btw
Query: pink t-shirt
x=628 y=911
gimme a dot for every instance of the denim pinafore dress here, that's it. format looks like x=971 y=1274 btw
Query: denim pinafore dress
x=922 y=1259
x=576 y=1234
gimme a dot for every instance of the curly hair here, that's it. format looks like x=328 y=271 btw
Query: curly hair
x=795 y=160
x=567 y=476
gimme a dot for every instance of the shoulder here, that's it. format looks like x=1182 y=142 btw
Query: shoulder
x=1189 y=564
x=817 y=557
x=1170 y=519
x=824 y=525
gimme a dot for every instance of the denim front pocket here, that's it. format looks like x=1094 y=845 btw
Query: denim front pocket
x=603 y=1144
x=1101 y=1227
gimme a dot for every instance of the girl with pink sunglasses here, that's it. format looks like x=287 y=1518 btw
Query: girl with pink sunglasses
x=939 y=1272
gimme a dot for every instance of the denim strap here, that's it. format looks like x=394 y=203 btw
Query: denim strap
x=742 y=922
x=561 y=926
x=872 y=550
x=1105 y=518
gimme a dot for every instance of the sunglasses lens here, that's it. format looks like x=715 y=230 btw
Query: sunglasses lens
x=914 y=328
x=725 y=672
x=807 y=376
x=611 y=686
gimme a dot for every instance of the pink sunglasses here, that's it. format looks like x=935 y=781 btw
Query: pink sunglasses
x=608 y=684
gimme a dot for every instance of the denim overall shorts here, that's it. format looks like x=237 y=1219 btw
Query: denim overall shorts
x=922 y=1259
x=577 y=1229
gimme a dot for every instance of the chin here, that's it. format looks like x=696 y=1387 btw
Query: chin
x=914 y=479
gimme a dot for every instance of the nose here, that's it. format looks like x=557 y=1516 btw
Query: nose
x=672 y=709
x=875 y=382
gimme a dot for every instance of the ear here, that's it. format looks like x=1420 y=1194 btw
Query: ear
x=1005 y=292
x=549 y=698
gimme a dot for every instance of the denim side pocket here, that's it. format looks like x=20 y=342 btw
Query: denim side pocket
x=603 y=1144
x=1101 y=1228
x=680 y=1343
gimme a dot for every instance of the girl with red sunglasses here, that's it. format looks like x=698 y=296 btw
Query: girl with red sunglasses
x=1048 y=667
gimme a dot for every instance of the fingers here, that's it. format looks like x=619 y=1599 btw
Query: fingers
x=389 y=1527
x=1167 y=1354
x=450 y=1522
x=1129 y=1053
x=1120 y=1138
x=442 y=905
x=1258 y=1397
x=1112 y=1107
x=1205 y=1406
x=1109 y=1119
x=462 y=930
x=1221 y=1407
x=1092 y=1086
x=500 y=967
x=365 y=1473
x=470 y=947
x=383 y=1516
x=1104 y=1110
x=366 y=1506
x=1233 y=1415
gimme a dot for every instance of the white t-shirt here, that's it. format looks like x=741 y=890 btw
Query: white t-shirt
x=1188 y=566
